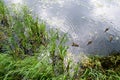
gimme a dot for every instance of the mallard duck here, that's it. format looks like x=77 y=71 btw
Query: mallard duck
x=75 y=44
x=106 y=29
x=110 y=38
x=89 y=42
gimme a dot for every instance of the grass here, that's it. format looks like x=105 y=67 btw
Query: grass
x=30 y=52
x=27 y=50
x=102 y=68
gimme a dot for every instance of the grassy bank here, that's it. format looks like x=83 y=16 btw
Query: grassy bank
x=29 y=52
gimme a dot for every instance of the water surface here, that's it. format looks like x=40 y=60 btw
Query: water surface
x=84 y=20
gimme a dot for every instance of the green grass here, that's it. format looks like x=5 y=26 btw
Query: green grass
x=102 y=68
x=29 y=52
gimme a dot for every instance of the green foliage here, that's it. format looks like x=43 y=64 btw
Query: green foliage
x=98 y=70
x=29 y=68
x=2 y=8
x=29 y=49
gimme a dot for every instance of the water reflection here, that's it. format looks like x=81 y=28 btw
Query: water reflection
x=14 y=1
x=85 y=21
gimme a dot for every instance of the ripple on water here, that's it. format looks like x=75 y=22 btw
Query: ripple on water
x=84 y=21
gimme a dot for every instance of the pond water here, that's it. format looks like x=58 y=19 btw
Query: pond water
x=93 y=24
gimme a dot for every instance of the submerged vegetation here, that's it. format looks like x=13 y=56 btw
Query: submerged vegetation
x=30 y=52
